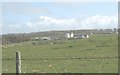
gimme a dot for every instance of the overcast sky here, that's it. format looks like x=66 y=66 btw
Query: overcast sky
x=20 y=17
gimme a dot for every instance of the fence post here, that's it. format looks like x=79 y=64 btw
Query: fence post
x=18 y=63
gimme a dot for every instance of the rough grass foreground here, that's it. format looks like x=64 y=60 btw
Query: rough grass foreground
x=97 y=54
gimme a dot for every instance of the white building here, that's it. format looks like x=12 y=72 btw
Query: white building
x=36 y=38
x=71 y=35
x=91 y=33
x=86 y=36
x=82 y=36
x=67 y=35
x=46 y=38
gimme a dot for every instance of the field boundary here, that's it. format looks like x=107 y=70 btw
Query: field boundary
x=66 y=58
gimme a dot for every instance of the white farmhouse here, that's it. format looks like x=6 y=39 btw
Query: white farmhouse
x=71 y=35
x=67 y=35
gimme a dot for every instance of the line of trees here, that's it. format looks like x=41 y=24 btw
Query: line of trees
x=14 y=38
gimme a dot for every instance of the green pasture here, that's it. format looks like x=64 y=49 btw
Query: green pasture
x=97 y=54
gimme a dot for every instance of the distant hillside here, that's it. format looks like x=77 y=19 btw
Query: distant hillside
x=23 y=37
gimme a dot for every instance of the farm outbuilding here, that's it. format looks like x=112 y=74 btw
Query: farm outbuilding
x=91 y=33
x=67 y=35
x=36 y=38
x=72 y=35
x=82 y=36
x=45 y=38
x=117 y=32
x=86 y=36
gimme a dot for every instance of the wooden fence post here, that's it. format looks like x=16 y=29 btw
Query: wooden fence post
x=18 y=63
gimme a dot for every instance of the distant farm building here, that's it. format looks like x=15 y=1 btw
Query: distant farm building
x=91 y=33
x=86 y=36
x=36 y=38
x=117 y=32
x=69 y=35
x=41 y=38
x=72 y=36
x=82 y=36
x=45 y=38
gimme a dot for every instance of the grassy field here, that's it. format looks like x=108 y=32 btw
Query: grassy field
x=97 y=54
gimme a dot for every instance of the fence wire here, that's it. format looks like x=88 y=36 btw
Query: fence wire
x=77 y=58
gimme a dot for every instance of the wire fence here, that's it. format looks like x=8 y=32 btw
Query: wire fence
x=70 y=58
